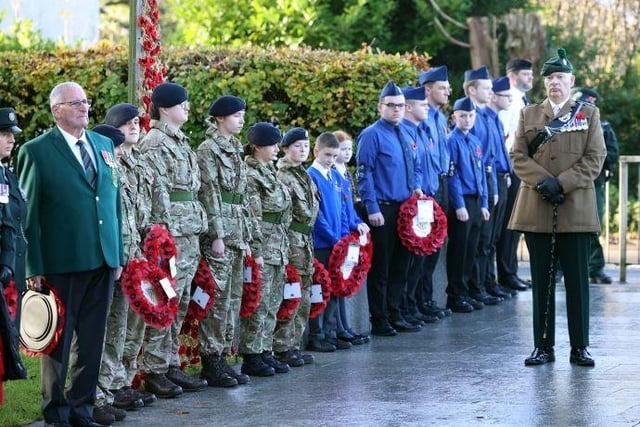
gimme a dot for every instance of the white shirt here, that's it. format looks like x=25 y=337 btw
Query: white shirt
x=71 y=140
x=511 y=116
x=324 y=171
x=557 y=107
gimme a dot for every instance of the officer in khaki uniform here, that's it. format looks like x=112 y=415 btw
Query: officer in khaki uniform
x=558 y=152
x=223 y=190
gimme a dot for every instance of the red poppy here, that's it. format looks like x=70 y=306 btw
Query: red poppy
x=288 y=307
x=205 y=281
x=580 y=115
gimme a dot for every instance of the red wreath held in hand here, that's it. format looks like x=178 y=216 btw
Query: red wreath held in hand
x=59 y=328
x=158 y=314
x=421 y=238
x=321 y=277
x=251 y=291
x=345 y=283
x=288 y=307
x=11 y=297
x=204 y=280
x=159 y=247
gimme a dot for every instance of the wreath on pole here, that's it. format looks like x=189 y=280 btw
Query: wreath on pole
x=322 y=278
x=159 y=248
x=150 y=293
x=289 y=306
x=204 y=292
x=422 y=225
x=349 y=263
x=251 y=288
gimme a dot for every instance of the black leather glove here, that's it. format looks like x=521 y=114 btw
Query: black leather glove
x=5 y=275
x=549 y=188
x=558 y=199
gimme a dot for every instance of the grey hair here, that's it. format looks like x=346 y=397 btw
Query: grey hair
x=56 y=93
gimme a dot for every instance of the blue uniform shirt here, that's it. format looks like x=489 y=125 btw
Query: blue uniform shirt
x=468 y=176
x=382 y=168
x=426 y=155
x=481 y=131
x=502 y=164
x=437 y=125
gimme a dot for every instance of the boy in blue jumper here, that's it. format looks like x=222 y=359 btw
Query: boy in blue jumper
x=330 y=226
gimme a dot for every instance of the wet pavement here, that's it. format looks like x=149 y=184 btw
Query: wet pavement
x=466 y=369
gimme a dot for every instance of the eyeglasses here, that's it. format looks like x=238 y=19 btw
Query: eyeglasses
x=77 y=103
x=393 y=106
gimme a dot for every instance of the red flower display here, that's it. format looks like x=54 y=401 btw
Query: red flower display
x=204 y=280
x=59 y=328
x=321 y=277
x=152 y=72
x=11 y=297
x=159 y=247
x=288 y=307
x=346 y=285
x=251 y=291
x=429 y=239
x=158 y=314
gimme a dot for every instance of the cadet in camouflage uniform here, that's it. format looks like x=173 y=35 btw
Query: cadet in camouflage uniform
x=304 y=197
x=175 y=204
x=271 y=207
x=224 y=185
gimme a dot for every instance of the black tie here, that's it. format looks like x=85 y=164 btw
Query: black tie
x=525 y=100
x=475 y=163
x=89 y=169
x=408 y=158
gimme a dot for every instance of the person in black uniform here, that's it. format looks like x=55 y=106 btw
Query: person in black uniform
x=8 y=128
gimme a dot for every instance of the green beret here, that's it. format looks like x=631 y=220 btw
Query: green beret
x=557 y=64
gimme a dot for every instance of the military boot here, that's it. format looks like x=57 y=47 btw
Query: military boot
x=188 y=383
x=161 y=386
x=254 y=366
x=278 y=366
x=214 y=372
x=239 y=376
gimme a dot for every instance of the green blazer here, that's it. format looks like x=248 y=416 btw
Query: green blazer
x=71 y=227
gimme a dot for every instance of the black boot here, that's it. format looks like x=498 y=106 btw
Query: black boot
x=239 y=376
x=214 y=372
x=185 y=381
x=278 y=366
x=161 y=386
x=254 y=366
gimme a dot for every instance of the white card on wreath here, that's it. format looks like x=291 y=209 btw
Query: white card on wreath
x=292 y=290
x=200 y=297
x=363 y=239
x=149 y=292
x=316 y=294
x=247 y=275
x=168 y=289
x=173 y=270
x=353 y=255
x=425 y=211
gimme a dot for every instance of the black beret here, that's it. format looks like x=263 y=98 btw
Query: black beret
x=517 y=64
x=227 y=105
x=264 y=134
x=587 y=94
x=293 y=135
x=166 y=95
x=9 y=120
x=113 y=133
x=120 y=114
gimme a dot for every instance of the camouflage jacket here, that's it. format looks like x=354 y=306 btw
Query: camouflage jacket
x=175 y=166
x=136 y=181
x=223 y=190
x=270 y=204
x=305 y=201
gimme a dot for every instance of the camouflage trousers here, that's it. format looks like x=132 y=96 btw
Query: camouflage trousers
x=112 y=371
x=256 y=332
x=289 y=333
x=161 y=345
x=218 y=328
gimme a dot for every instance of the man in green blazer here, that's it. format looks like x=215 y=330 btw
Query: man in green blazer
x=73 y=229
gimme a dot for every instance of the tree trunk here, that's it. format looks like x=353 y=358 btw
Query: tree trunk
x=525 y=36
x=483 y=43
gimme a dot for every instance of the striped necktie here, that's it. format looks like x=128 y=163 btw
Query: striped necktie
x=89 y=168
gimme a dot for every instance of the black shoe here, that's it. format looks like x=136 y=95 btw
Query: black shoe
x=498 y=291
x=431 y=308
x=215 y=372
x=581 y=357
x=306 y=357
x=187 y=382
x=412 y=320
x=254 y=366
x=339 y=344
x=512 y=282
x=321 y=346
x=279 y=367
x=102 y=415
x=526 y=282
x=382 y=328
x=238 y=376
x=477 y=305
x=459 y=305
x=161 y=386
x=401 y=325
x=602 y=278
x=126 y=398
x=540 y=356
x=487 y=299
x=290 y=358
x=425 y=318
x=85 y=422
x=118 y=414
x=57 y=424
x=147 y=398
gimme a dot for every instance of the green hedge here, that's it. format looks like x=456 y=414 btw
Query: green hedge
x=318 y=89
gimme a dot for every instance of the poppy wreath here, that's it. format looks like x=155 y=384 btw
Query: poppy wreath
x=189 y=351
x=288 y=307
x=348 y=286
x=158 y=315
x=59 y=328
x=204 y=280
x=321 y=277
x=159 y=247
x=11 y=297
x=251 y=291
x=421 y=245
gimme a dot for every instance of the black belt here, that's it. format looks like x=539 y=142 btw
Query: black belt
x=388 y=202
